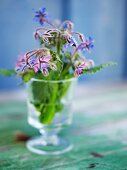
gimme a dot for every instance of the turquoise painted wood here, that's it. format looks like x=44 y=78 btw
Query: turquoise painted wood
x=98 y=143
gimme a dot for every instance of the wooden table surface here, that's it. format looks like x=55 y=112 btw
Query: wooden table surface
x=98 y=132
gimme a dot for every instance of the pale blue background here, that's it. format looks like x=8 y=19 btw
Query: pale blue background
x=104 y=20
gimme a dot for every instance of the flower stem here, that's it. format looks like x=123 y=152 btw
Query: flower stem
x=81 y=36
x=66 y=69
x=52 y=25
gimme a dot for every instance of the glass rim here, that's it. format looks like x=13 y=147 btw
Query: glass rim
x=54 y=81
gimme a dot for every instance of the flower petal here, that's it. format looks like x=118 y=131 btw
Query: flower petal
x=44 y=66
x=53 y=66
x=45 y=72
x=46 y=59
x=36 y=68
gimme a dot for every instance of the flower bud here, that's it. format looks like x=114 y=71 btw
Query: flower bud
x=53 y=66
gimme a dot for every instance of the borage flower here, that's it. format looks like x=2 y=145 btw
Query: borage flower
x=33 y=61
x=36 y=36
x=87 y=45
x=79 y=69
x=70 y=43
x=44 y=69
x=21 y=65
x=41 y=16
x=47 y=63
x=80 y=66
x=42 y=63
x=41 y=59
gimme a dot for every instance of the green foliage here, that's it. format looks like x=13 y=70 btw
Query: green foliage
x=26 y=77
x=56 y=42
x=67 y=55
x=6 y=72
x=46 y=98
x=98 y=68
x=61 y=65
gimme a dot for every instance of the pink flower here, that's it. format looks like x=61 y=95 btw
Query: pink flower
x=44 y=69
x=45 y=59
x=21 y=65
x=79 y=67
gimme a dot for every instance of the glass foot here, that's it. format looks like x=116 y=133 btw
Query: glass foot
x=52 y=146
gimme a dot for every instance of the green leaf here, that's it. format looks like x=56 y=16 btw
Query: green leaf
x=26 y=77
x=47 y=98
x=67 y=55
x=98 y=68
x=5 y=72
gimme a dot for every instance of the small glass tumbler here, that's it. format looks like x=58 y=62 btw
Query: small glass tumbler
x=50 y=111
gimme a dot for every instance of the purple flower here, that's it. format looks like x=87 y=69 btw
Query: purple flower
x=33 y=61
x=42 y=64
x=44 y=69
x=21 y=65
x=39 y=63
x=45 y=72
x=41 y=16
x=79 y=69
x=46 y=63
x=36 y=67
x=87 y=45
x=36 y=36
x=22 y=68
x=36 y=60
x=70 y=42
x=45 y=59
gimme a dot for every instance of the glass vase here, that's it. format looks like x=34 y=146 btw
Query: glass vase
x=50 y=111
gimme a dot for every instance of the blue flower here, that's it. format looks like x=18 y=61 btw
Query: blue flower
x=21 y=65
x=32 y=60
x=41 y=16
x=87 y=45
x=70 y=42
